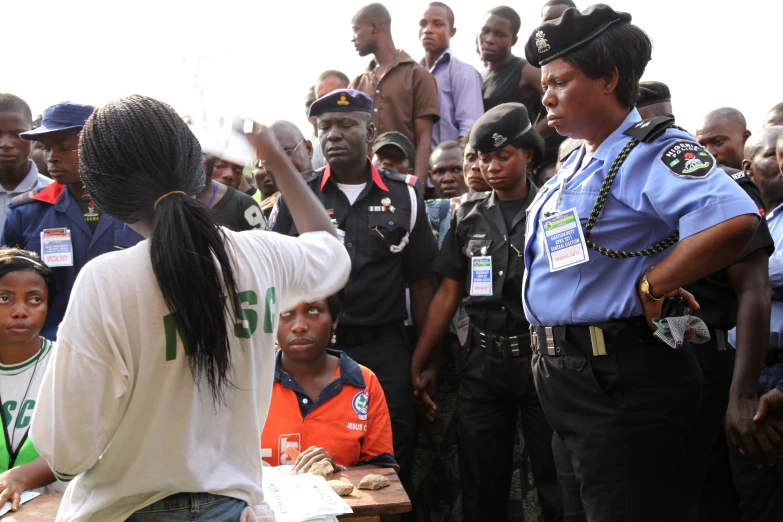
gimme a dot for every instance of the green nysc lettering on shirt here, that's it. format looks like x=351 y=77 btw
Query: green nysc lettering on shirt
x=244 y=327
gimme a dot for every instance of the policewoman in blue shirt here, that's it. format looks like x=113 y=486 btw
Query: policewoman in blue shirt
x=60 y=222
x=636 y=213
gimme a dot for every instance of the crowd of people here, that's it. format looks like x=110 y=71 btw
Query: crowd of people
x=525 y=289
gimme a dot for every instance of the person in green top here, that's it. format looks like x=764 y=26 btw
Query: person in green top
x=26 y=287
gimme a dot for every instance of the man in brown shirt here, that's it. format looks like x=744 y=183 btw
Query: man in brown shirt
x=405 y=94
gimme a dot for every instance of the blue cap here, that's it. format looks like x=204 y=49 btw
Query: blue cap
x=63 y=116
x=341 y=100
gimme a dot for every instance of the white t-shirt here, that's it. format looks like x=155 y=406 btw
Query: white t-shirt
x=118 y=408
x=351 y=191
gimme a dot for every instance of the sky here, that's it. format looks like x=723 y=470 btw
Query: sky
x=257 y=58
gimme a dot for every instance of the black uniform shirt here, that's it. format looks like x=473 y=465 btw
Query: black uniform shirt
x=237 y=211
x=478 y=224
x=714 y=292
x=379 y=218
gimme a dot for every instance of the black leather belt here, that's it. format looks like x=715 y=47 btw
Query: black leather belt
x=596 y=340
x=353 y=335
x=501 y=345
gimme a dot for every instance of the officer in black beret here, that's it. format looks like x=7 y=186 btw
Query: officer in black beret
x=654 y=100
x=482 y=265
x=638 y=212
x=382 y=221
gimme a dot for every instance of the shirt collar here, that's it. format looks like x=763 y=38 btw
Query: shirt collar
x=28 y=183
x=617 y=136
x=350 y=372
x=374 y=174
x=399 y=58
x=445 y=57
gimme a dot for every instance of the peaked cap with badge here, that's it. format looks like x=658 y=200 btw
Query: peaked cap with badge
x=341 y=100
x=502 y=125
x=572 y=30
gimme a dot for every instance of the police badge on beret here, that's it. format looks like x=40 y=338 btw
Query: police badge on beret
x=687 y=159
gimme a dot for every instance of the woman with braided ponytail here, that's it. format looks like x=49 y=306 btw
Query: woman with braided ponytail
x=167 y=348
x=639 y=211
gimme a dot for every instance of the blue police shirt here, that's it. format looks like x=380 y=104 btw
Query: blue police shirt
x=54 y=207
x=775 y=222
x=647 y=203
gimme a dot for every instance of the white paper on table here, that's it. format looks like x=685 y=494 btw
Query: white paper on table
x=26 y=497
x=295 y=498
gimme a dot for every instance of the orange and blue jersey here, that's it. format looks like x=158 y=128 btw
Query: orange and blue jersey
x=349 y=419
x=55 y=207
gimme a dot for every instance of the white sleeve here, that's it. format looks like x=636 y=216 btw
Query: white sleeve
x=312 y=266
x=82 y=388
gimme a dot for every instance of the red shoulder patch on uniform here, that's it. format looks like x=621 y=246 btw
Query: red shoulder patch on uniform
x=50 y=194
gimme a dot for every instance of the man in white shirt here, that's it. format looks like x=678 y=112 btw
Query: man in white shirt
x=17 y=173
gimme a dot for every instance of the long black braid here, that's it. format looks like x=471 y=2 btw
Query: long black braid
x=132 y=152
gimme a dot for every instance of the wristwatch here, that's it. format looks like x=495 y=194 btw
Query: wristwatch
x=644 y=287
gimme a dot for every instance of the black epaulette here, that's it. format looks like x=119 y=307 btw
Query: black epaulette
x=312 y=175
x=474 y=196
x=648 y=130
x=24 y=199
x=737 y=175
x=408 y=179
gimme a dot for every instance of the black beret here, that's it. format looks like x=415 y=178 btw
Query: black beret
x=557 y=37
x=341 y=100
x=651 y=93
x=500 y=126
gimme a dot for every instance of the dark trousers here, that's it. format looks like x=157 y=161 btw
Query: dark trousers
x=390 y=359
x=713 y=482
x=492 y=392
x=760 y=490
x=624 y=425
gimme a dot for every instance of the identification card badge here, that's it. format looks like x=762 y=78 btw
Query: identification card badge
x=565 y=242
x=461 y=322
x=481 y=275
x=56 y=247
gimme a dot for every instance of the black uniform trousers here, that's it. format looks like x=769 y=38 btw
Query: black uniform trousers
x=623 y=427
x=493 y=390
x=713 y=482
x=390 y=359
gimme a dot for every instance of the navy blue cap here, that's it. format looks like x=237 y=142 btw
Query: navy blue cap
x=63 y=116
x=341 y=100
x=395 y=139
x=571 y=31
x=651 y=93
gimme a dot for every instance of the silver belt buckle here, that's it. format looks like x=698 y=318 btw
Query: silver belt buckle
x=550 y=341
x=534 y=338
x=597 y=341
x=499 y=344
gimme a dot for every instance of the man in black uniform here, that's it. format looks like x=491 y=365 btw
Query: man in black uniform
x=734 y=296
x=383 y=224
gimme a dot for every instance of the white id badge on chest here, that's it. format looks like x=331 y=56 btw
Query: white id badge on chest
x=56 y=247
x=565 y=242
x=481 y=275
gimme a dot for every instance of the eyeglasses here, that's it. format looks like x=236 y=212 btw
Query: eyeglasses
x=291 y=151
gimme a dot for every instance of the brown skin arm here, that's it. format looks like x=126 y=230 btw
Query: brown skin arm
x=423 y=130
x=424 y=365
x=441 y=310
x=695 y=257
x=750 y=281
x=33 y=475
x=307 y=212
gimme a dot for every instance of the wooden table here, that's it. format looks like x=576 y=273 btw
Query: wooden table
x=367 y=505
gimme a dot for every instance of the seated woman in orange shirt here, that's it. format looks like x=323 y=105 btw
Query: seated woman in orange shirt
x=324 y=404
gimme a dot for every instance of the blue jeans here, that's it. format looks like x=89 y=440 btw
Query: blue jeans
x=760 y=490
x=195 y=507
